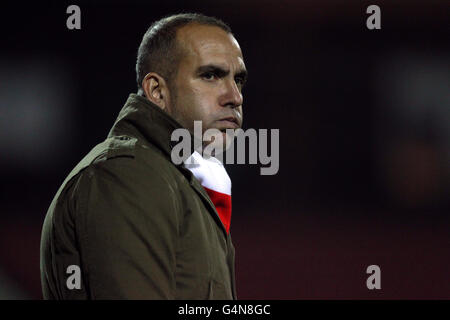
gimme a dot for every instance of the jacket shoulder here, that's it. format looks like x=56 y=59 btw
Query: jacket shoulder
x=116 y=146
x=113 y=147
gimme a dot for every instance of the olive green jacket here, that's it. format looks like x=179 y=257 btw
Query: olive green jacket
x=136 y=225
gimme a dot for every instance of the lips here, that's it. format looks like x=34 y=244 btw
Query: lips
x=229 y=123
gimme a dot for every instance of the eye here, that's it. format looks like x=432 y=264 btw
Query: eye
x=209 y=76
x=239 y=81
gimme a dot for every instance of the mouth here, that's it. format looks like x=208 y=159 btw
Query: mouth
x=228 y=123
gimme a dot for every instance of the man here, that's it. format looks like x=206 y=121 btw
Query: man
x=127 y=223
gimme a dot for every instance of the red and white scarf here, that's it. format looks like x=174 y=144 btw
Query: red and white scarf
x=214 y=178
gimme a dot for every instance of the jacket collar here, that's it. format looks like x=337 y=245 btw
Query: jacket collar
x=145 y=121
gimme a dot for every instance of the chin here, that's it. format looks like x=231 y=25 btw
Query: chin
x=218 y=146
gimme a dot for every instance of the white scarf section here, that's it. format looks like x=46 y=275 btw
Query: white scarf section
x=210 y=172
x=215 y=180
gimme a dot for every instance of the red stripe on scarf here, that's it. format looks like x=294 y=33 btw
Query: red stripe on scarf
x=222 y=202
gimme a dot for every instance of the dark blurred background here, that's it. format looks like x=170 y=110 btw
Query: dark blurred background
x=364 y=137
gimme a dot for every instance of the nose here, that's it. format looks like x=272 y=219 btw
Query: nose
x=232 y=96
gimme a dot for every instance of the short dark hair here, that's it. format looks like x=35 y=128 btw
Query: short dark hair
x=158 y=51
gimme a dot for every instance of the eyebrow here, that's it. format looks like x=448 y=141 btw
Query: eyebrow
x=221 y=72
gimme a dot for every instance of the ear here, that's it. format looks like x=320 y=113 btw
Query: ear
x=156 y=90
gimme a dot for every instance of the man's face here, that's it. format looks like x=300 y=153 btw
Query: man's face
x=209 y=80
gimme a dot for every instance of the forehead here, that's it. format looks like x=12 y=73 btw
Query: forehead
x=209 y=44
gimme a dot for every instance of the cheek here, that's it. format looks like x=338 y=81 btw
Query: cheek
x=192 y=105
x=198 y=101
x=204 y=105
